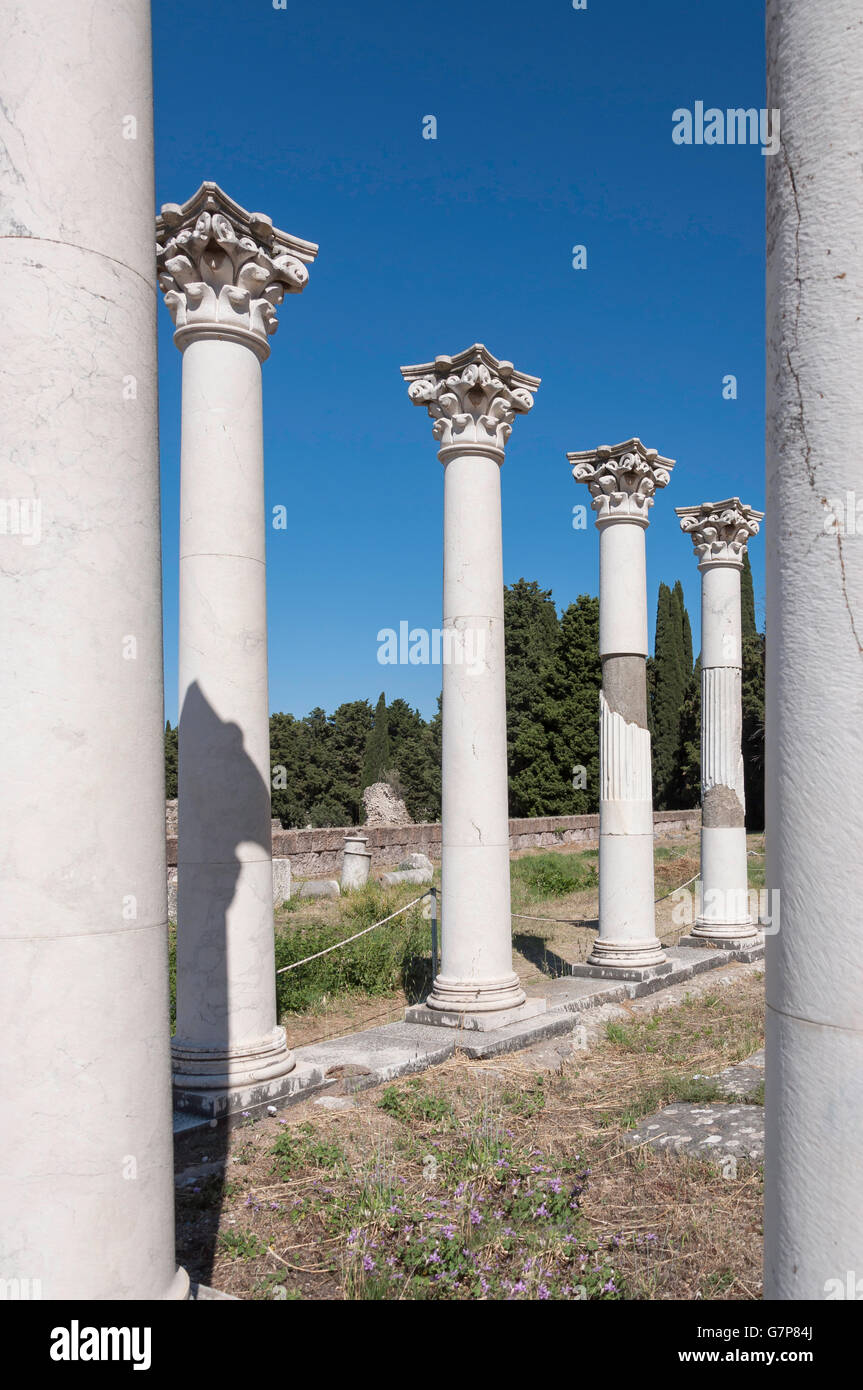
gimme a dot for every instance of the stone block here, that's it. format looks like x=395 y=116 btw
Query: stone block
x=281 y=881
x=319 y=888
x=407 y=876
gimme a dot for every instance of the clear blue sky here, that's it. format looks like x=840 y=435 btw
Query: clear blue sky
x=554 y=129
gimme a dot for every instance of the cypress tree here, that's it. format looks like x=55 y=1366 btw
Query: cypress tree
x=531 y=635
x=747 y=600
x=672 y=671
x=170 y=762
x=376 y=763
x=577 y=681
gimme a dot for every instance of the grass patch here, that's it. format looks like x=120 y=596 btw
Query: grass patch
x=539 y=876
x=395 y=956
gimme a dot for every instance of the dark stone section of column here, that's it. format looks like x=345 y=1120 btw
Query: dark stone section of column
x=624 y=685
x=720 y=806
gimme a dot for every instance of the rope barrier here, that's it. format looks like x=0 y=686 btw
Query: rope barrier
x=566 y=921
x=523 y=916
x=355 y=937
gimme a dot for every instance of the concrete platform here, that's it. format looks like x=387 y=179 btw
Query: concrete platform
x=378 y=1054
x=381 y=1054
x=637 y=974
x=487 y=1022
x=748 y=950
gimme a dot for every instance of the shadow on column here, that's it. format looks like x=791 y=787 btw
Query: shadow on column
x=223 y=803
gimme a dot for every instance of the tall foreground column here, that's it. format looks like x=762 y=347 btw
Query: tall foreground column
x=720 y=532
x=86 y=1172
x=473 y=399
x=223 y=271
x=814 y=726
x=622 y=482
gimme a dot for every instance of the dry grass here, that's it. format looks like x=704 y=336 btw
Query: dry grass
x=626 y=1224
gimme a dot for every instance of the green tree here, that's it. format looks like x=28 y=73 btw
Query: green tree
x=672 y=671
x=531 y=636
x=412 y=760
x=687 y=780
x=376 y=763
x=170 y=762
x=352 y=725
x=575 y=689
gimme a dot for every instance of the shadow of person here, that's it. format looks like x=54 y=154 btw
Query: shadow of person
x=223 y=824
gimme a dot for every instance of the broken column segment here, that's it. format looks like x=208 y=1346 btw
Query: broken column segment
x=622 y=480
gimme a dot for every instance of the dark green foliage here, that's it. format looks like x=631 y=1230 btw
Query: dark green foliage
x=687 y=780
x=747 y=601
x=553 y=678
x=170 y=762
x=542 y=876
x=414 y=761
x=383 y=960
x=531 y=630
x=376 y=763
x=753 y=730
x=672 y=670
x=576 y=684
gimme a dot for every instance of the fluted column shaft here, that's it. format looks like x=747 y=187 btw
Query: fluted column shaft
x=720 y=532
x=622 y=481
x=86 y=1171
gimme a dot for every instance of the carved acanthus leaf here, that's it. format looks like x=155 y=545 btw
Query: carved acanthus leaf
x=472 y=398
x=622 y=479
x=222 y=267
x=720 y=531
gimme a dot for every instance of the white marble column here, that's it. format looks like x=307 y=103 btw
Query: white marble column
x=223 y=271
x=86 y=1169
x=720 y=532
x=473 y=400
x=622 y=482
x=814 y=717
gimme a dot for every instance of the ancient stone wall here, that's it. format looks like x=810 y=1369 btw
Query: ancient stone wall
x=318 y=853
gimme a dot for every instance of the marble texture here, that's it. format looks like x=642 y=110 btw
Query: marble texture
x=473 y=399
x=720 y=532
x=86 y=1171
x=622 y=480
x=223 y=271
x=814 y=721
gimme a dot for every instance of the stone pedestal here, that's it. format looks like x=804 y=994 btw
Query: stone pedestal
x=222 y=271
x=473 y=399
x=814 y=719
x=720 y=532
x=356 y=862
x=622 y=482
x=86 y=1170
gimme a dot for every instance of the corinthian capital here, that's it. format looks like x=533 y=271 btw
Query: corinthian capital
x=622 y=479
x=720 y=531
x=472 y=398
x=224 y=271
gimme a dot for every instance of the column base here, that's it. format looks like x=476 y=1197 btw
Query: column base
x=485 y=1022
x=180 y=1289
x=482 y=1005
x=624 y=960
x=219 y=1081
x=724 y=936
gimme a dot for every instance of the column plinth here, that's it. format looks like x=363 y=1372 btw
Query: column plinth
x=720 y=532
x=223 y=271
x=622 y=481
x=473 y=399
